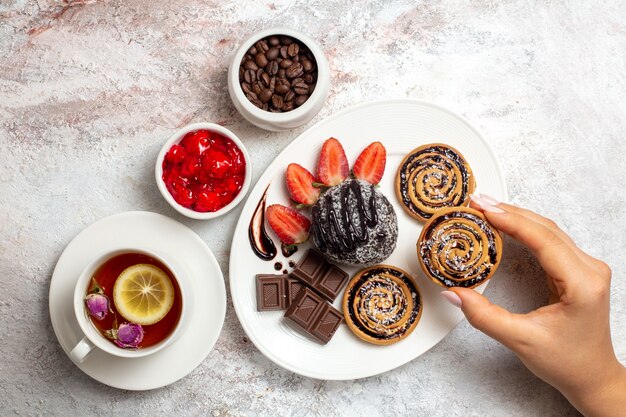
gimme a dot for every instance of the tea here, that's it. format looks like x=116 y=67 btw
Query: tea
x=104 y=314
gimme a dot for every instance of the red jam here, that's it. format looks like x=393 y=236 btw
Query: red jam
x=205 y=171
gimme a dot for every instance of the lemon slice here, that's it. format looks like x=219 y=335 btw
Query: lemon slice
x=143 y=294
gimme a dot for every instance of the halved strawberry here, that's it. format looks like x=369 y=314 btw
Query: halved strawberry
x=332 y=167
x=290 y=226
x=370 y=165
x=300 y=185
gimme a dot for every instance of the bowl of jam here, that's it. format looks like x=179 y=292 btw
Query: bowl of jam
x=203 y=170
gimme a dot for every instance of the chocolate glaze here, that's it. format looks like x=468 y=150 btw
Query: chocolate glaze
x=482 y=271
x=345 y=237
x=262 y=245
x=414 y=161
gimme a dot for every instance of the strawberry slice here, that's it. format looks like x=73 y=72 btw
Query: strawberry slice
x=332 y=167
x=300 y=185
x=370 y=165
x=290 y=226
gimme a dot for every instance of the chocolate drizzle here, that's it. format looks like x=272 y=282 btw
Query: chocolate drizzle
x=262 y=245
x=338 y=231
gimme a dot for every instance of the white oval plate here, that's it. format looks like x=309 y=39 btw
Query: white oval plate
x=162 y=235
x=401 y=125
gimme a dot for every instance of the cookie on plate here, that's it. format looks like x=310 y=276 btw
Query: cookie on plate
x=458 y=247
x=382 y=304
x=433 y=177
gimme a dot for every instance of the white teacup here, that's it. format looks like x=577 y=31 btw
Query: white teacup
x=94 y=339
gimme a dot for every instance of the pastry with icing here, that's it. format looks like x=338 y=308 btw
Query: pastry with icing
x=458 y=247
x=382 y=304
x=433 y=177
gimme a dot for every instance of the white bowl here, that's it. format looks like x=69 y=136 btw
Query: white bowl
x=176 y=138
x=291 y=119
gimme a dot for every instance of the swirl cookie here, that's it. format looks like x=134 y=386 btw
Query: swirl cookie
x=459 y=248
x=382 y=304
x=433 y=177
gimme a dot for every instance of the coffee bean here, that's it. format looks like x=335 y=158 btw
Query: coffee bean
x=293 y=49
x=282 y=87
x=288 y=106
x=257 y=102
x=265 y=95
x=250 y=65
x=272 y=68
x=256 y=89
x=246 y=77
x=283 y=51
x=252 y=50
x=275 y=110
x=266 y=79
x=290 y=95
x=281 y=73
x=261 y=46
x=307 y=65
x=273 y=84
x=260 y=60
x=299 y=101
x=251 y=96
x=301 y=88
x=286 y=63
x=295 y=70
x=296 y=81
x=252 y=74
x=245 y=87
x=273 y=40
x=272 y=54
x=286 y=40
x=277 y=101
x=241 y=71
x=259 y=72
x=266 y=106
x=308 y=78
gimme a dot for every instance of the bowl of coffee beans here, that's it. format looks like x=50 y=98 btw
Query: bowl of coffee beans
x=279 y=79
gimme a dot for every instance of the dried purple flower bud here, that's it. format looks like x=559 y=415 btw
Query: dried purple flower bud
x=129 y=335
x=97 y=305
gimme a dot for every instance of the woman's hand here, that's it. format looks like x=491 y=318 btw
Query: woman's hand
x=567 y=343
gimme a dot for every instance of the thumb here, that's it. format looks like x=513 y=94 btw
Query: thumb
x=496 y=322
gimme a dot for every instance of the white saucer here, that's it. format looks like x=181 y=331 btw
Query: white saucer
x=161 y=234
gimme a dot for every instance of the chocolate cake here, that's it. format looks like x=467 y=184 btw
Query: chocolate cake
x=353 y=223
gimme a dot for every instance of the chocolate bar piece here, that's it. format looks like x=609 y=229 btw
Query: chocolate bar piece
x=325 y=278
x=276 y=292
x=314 y=315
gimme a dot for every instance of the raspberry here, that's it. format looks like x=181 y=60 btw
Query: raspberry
x=191 y=167
x=176 y=154
x=196 y=142
x=216 y=162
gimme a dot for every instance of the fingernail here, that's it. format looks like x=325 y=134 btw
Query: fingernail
x=452 y=298
x=485 y=205
x=489 y=199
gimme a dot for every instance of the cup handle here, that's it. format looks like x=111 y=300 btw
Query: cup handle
x=81 y=350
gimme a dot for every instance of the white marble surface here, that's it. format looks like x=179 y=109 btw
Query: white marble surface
x=90 y=90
